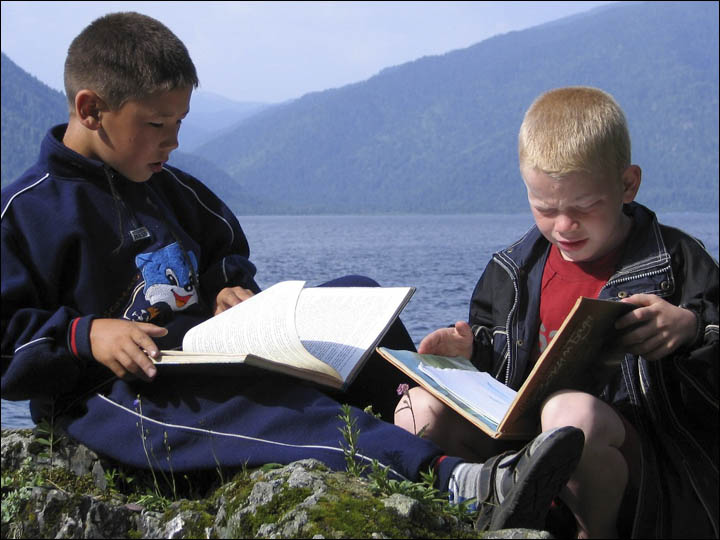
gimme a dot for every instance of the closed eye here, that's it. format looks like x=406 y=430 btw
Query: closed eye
x=589 y=207
x=155 y=124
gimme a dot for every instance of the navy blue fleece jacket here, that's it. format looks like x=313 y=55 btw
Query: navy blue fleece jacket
x=80 y=241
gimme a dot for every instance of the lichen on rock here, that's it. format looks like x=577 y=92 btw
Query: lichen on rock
x=74 y=493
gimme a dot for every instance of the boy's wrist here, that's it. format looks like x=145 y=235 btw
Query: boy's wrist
x=695 y=338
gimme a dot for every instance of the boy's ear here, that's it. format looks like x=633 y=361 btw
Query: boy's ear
x=631 y=179
x=89 y=108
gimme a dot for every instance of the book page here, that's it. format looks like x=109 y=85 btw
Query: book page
x=409 y=363
x=263 y=325
x=340 y=325
x=477 y=389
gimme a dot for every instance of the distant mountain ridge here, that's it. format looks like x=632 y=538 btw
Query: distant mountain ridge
x=28 y=109
x=439 y=134
x=211 y=114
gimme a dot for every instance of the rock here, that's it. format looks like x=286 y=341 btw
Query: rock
x=14 y=445
x=518 y=533
x=74 y=493
x=98 y=474
x=406 y=507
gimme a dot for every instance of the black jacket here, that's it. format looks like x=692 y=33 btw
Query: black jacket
x=672 y=402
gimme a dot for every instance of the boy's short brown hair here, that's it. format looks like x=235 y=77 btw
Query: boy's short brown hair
x=575 y=129
x=124 y=56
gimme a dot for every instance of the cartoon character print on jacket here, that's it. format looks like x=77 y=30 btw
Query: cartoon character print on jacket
x=167 y=284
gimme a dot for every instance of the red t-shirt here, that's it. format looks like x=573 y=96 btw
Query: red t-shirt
x=562 y=282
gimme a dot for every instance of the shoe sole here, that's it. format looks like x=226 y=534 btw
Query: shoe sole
x=550 y=468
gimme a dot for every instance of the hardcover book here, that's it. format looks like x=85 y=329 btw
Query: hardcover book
x=320 y=334
x=578 y=357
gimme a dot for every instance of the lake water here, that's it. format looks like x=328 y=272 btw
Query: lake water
x=443 y=256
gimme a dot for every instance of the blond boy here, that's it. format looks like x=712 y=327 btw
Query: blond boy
x=591 y=239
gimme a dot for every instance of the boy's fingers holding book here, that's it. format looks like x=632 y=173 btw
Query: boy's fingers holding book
x=152 y=329
x=134 y=358
x=463 y=329
x=127 y=365
x=656 y=328
x=145 y=342
x=229 y=297
x=431 y=343
x=124 y=346
x=134 y=366
x=637 y=315
x=455 y=341
x=464 y=339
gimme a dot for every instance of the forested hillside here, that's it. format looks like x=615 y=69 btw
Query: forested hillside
x=29 y=108
x=439 y=134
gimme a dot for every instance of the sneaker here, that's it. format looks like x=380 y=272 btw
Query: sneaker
x=516 y=489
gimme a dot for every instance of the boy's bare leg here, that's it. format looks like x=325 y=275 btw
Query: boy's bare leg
x=595 y=491
x=433 y=420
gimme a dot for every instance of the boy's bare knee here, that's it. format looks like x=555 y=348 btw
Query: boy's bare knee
x=417 y=410
x=558 y=409
x=597 y=419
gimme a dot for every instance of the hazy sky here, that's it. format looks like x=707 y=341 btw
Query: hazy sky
x=273 y=51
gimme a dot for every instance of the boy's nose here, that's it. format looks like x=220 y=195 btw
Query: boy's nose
x=564 y=223
x=171 y=142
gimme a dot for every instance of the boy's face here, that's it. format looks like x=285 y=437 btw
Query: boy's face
x=136 y=140
x=581 y=214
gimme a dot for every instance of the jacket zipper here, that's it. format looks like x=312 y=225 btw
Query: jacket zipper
x=513 y=279
x=625 y=279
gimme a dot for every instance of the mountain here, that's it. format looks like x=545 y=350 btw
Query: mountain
x=439 y=134
x=28 y=109
x=210 y=115
x=236 y=197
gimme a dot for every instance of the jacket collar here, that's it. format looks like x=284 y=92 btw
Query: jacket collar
x=645 y=263
x=64 y=162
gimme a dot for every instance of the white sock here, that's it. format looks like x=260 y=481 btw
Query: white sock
x=463 y=483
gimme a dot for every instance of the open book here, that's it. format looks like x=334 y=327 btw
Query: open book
x=576 y=358
x=321 y=334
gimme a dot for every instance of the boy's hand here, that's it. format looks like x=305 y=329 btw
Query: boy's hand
x=124 y=347
x=457 y=341
x=230 y=296
x=661 y=327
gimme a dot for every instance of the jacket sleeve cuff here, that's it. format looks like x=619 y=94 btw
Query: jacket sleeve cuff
x=699 y=338
x=78 y=338
x=482 y=347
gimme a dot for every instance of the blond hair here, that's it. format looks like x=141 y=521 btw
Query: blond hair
x=575 y=129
